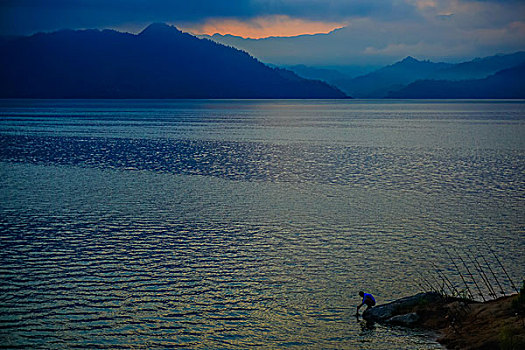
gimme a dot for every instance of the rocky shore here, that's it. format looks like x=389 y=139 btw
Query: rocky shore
x=460 y=323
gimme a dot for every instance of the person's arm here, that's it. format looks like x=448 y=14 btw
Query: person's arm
x=360 y=307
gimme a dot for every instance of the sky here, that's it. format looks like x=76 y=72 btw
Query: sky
x=349 y=32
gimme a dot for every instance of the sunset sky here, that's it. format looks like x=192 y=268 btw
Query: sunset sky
x=264 y=26
x=377 y=30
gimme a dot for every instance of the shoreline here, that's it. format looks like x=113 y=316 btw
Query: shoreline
x=459 y=323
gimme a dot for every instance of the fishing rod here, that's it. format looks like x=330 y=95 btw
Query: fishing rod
x=476 y=265
x=460 y=274
x=494 y=275
x=450 y=286
x=429 y=285
x=502 y=267
x=484 y=278
x=471 y=276
x=494 y=294
x=442 y=282
x=464 y=306
x=438 y=290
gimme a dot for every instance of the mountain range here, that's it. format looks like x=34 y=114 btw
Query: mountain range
x=498 y=76
x=507 y=83
x=321 y=56
x=378 y=83
x=159 y=62
x=163 y=62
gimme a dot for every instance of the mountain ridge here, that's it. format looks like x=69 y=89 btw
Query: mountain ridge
x=384 y=82
x=508 y=83
x=380 y=82
x=481 y=67
x=159 y=62
x=218 y=36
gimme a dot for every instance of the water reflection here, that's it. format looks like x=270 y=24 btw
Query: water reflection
x=401 y=170
x=367 y=331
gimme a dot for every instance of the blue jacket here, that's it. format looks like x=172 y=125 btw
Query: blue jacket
x=368 y=296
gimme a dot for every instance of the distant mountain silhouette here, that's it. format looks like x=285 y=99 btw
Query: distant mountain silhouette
x=406 y=75
x=330 y=74
x=160 y=62
x=323 y=74
x=380 y=83
x=508 y=83
x=480 y=67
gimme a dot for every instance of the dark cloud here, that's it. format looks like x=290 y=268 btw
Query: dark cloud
x=26 y=16
x=338 y=9
x=378 y=30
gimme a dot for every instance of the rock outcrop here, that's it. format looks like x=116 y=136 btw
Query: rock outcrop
x=393 y=312
x=460 y=323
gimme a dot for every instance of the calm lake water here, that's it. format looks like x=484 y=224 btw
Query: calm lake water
x=246 y=224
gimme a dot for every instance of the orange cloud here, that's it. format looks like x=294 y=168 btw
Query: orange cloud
x=263 y=27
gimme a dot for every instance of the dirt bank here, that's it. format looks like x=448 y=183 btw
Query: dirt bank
x=491 y=325
x=461 y=324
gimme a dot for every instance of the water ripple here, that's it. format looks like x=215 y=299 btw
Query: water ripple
x=411 y=170
x=228 y=224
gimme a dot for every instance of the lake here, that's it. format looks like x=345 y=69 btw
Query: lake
x=234 y=224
